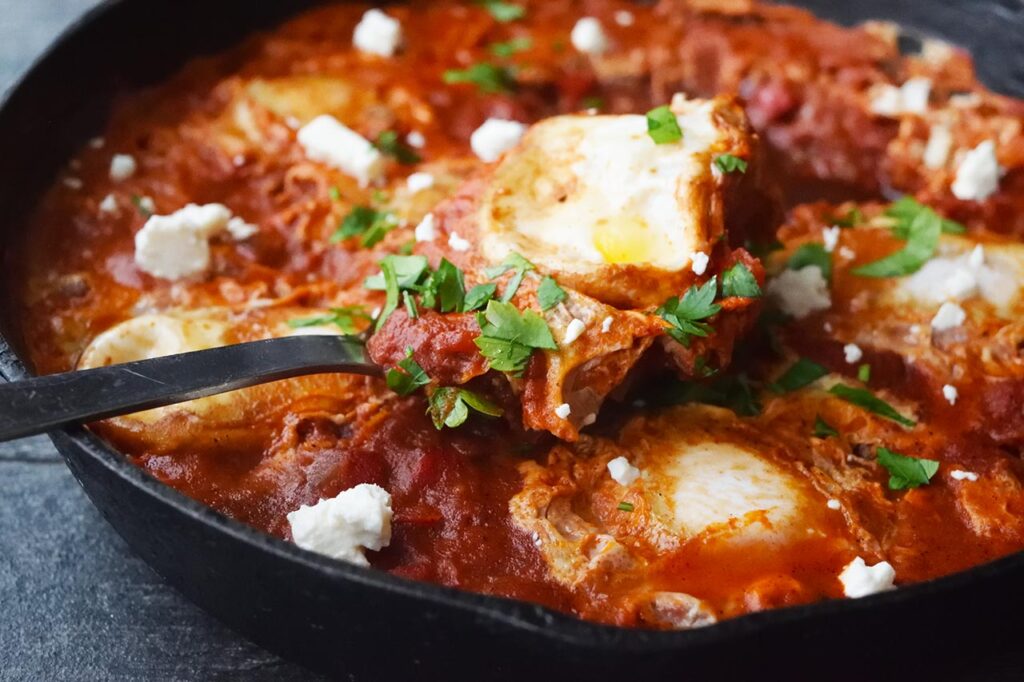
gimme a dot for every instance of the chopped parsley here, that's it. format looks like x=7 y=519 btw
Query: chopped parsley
x=906 y=209
x=740 y=281
x=510 y=47
x=449 y=406
x=519 y=265
x=906 y=472
x=407 y=376
x=508 y=337
x=869 y=401
x=734 y=392
x=397 y=274
x=922 y=235
x=864 y=373
x=822 y=429
x=345 y=318
x=365 y=222
x=478 y=296
x=503 y=12
x=549 y=294
x=390 y=144
x=488 y=78
x=625 y=506
x=445 y=288
x=801 y=373
x=410 y=305
x=727 y=163
x=811 y=253
x=686 y=313
x=663 y=126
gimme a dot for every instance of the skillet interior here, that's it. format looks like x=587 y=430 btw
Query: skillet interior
x=344 y=619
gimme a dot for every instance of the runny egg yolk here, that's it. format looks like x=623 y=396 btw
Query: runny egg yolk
x=625 y=239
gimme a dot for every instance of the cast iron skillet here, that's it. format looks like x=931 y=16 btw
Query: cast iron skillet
x=363 y=624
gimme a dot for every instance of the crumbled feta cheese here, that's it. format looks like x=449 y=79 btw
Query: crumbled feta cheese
x=238 y=160
x=860 y=580
x=292 y=122
x=425 y=231
x=622 y=472
x=122 y=167
x=178 y=245
x=495 y=137
x=950 y=393
x=417 y=182
x=73 y=183
x=940 y=144
x=833 y=505
x=344 y=526
x=624 y=18
x=852 y=353
x=910 y=98
x=573 y=331
x=606 y=325
x=800 y=292
x=830 y=237
x=588 y=36
x=147 y=204
x=109 y=204
x=239 y=229
x=977 y=257
x=563 y=411
x=699 y=262
x=958 y=278
x=847 y=253
x=950 y=315
x=977 y=177
x=589 y=419
x=377 y=33
x=97 y=142
x=326 y=140
x=457 y=242
x=416 y=139
x=960 y=475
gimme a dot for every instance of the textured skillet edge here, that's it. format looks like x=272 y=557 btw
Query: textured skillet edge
x=515 y=614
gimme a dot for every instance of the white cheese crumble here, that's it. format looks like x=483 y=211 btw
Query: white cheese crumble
x=97 y=143
x=852 y=353
x=573 y=331
x=909 y=98
x=977 y=177
x=377 y=33
x=958 y=278
x=624 y=18
x=950 y=393
x=699 y=262
x=457 y=242
x=938 y=147
x=833 y=505
x=73 y=183
x=327 y=140
x=109 y=204
x=830 y=237
x=847 y=253
x=344 y=526
x=122 y=167
x=960 y=475
x=417 y=182
x=147 y=204
x=950 y=315
x=416 y=139
x=563 y=411
x=860 y=580
x=622 y=472
x=425 y=231
x=178 y=245
x=800 y=292
x=588 y=36
x=495 y=137
x=606 y=325
x=589 y=419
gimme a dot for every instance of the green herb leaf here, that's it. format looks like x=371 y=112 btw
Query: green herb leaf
x=735 y=392
x=508 y=337
x=811 y=253
x=445 y=289
x=864 y=373
x=685 y=314
x=407 y=377
x=625 y=506
x=503 y=12
x=487 y=77
x=866 y=399
x=549 y=294
x=407 y=269
x=663 y=126
x=478 y=296
x=852 y=218
x=390 y=144
x=345 y=318
x=906 y=209
x=334 y=193
x=906 y=472
x=449 y=406
x=510 y=47
x=142 y=205
x=513 y=261
x=410 y=305
x=370 y=223
x=922 y=240
x=801 y=373
x=727 y=163
x=740 y=281
x=822 y=429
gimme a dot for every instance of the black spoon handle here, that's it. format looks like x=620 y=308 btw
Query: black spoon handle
x=41 y=404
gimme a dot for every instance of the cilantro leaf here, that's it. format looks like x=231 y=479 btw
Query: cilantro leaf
x=906 y=472
x=407 y=376
x=735 y=392
x=869 y=401
x=852 y=218
x=487 y=77
x=549 y=294
x=503 y=12
x=922 y=240
x=508 y=337
x=685 y=313
x=410 y=305
x=520 y=266
x=407 y=269
x=906 y=209
x=370 y=223
x=663 y=126
x=801 y=373
x=864 y=373
x=390 y=144
x=510 y=47
x=740 y=281
x=822 y=429
x=449 y=406
x=625 y=506
x=345 y=318
x=391 y=290
x=727 y=163
x=811 y=253
x=445 y=289
x=478 y=296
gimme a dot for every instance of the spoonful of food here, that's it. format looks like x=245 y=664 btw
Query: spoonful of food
x=40 y=404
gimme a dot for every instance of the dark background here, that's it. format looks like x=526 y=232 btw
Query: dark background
x=75 y=604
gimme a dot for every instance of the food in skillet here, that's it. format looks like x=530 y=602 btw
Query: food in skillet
x=620 y=382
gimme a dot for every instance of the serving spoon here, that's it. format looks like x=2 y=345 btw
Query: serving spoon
x=41 y=404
